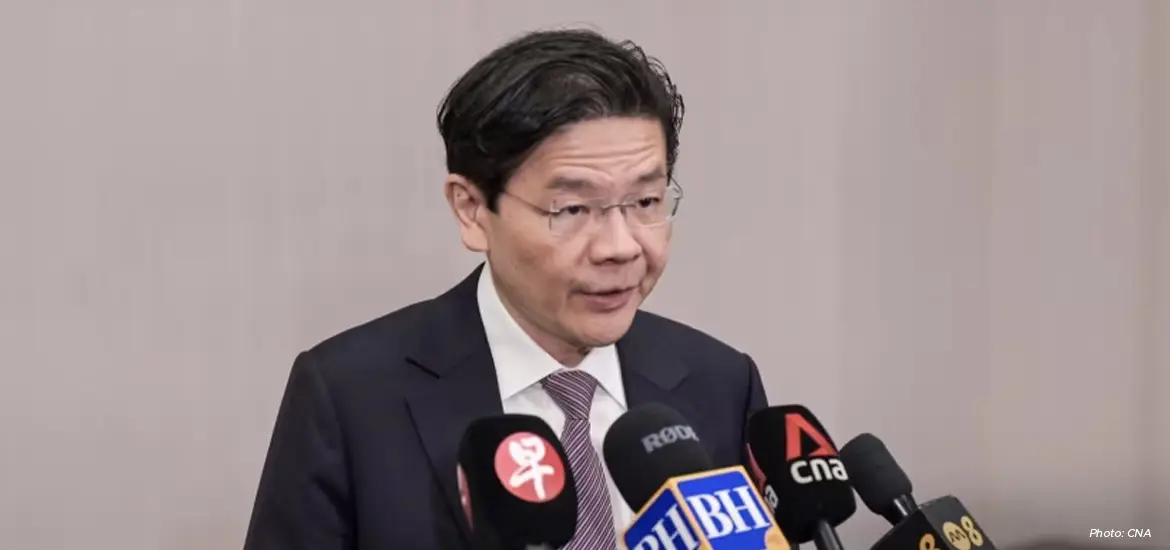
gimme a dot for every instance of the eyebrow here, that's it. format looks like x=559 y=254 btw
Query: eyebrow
x=561 y=183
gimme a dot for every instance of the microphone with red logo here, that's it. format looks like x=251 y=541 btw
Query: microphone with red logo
x=515 y=484
x=663 y=472
x=941 y=524
x=803 y=480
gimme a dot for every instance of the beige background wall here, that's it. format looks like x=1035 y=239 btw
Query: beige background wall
x=945 y=223
x=1158 y=150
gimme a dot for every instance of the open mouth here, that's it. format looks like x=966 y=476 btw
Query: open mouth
x=611 y=292
x=609 y=299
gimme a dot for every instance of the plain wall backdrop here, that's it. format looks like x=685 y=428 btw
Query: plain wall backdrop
x=944 y=223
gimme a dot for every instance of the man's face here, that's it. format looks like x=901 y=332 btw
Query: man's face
x=580 y=288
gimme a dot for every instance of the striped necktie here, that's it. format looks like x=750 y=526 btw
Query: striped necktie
x=573 y=392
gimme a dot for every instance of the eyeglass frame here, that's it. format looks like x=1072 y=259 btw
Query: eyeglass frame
x=672 y=187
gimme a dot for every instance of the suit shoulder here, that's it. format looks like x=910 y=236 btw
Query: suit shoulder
x=380 y=342
x=692 y=341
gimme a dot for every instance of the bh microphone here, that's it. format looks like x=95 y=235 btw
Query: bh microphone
x=941 y=524
x=515 y=484
x=663 y=472
x=803 y=480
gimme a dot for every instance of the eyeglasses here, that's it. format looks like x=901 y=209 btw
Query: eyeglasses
x=570 y=217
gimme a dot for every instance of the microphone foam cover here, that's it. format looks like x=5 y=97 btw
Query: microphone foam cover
x=800 y=466
x=876 y=476
x=648 y=445
x=520 y=490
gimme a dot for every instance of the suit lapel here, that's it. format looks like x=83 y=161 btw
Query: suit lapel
x=454 y=352
x=651 y=370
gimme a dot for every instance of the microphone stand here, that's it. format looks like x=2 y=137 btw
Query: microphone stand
x=826 y=537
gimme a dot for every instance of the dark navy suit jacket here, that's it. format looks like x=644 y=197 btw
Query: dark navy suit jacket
x=363 y=452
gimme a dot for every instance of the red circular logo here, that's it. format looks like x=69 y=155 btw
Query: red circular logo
x=464 y=496
x=529 y=468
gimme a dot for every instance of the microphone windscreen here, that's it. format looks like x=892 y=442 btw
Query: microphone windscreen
x=876 y=476
x=520 y=490
x=804 y=480
x=648 y=445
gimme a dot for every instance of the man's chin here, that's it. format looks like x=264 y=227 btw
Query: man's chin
x=597 y=333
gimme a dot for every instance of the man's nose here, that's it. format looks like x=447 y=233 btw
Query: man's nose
x=614 y=241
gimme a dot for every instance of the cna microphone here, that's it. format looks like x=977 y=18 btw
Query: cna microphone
x=802 y=478
x=515 y=484
x=662 y=470
x=941 y=524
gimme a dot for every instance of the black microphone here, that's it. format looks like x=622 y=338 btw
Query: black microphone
x=882 y=485
x=803 y=480
x=648 y=445
x=662 y=470
x=940 y=524
x=515 y=485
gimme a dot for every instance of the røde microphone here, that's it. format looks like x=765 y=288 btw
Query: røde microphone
x=941 y=524
x=802 y=478
x=515 y=484
x=662 y=470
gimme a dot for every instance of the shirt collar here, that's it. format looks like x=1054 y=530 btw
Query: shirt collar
x=520 y=362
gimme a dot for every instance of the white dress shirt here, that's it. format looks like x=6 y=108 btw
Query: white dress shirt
x=520 y=366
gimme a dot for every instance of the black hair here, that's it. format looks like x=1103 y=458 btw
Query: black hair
x=529 y=88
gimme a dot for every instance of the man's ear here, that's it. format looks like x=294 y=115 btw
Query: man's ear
x=469 y=207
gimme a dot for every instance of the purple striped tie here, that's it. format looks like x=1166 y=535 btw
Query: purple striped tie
x=573 y=393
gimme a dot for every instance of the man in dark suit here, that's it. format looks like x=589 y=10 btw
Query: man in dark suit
x=560 y=151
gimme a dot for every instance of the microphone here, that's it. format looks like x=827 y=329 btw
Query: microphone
x=882 y=485
x=941 y=524
x=515 y=485
x=803 y=480
x=662 y=470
